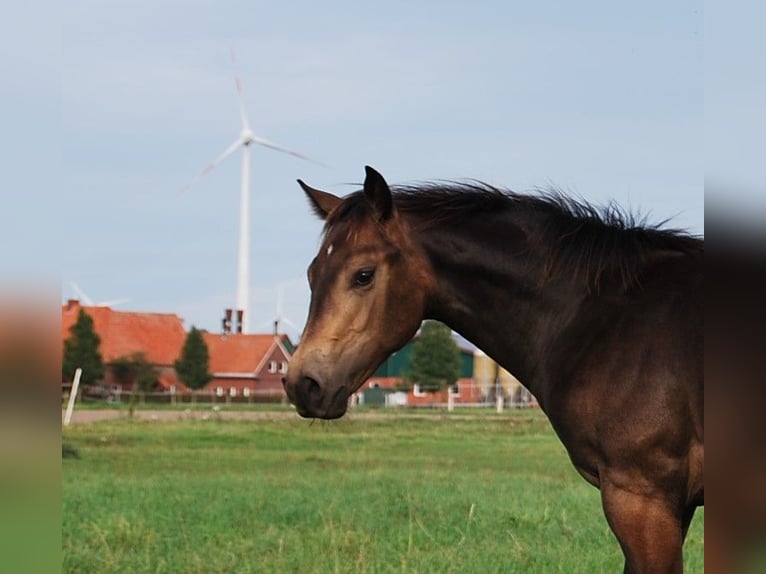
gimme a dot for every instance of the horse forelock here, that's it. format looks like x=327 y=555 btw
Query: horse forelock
x=352 y=218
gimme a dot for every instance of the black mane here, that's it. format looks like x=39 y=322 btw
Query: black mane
x=584 y=240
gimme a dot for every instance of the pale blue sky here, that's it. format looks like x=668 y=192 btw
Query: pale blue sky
x=604 y=99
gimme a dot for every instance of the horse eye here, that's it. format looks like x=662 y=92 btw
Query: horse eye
x=363 y=277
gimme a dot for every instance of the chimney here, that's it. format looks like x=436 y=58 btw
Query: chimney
x=240 y=315
x=226 y=322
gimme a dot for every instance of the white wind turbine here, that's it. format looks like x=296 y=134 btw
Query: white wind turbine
x=280 y=318
x=83 y=296
x=246 y=137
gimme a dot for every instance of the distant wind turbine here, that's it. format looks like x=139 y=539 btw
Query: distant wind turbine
x=83 y=296
x=280 y=318
x=246 y=137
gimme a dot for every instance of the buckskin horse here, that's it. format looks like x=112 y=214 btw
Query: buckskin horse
x=599 y=314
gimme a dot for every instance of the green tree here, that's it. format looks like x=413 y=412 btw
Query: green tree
x=81 y=349
x=435 y=361
x=194 y=363
x=135 y=370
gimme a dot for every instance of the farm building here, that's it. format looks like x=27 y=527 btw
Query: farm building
x=251 y=367
x=491 y=379
x=241 y=365
x=397 y=364
x=158 y=335
x=481 y=379
x=247 y=365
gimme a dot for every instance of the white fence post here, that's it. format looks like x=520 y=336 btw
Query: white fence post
x=72 y=396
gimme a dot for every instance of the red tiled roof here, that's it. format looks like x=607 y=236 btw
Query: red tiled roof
x=237 y=353
x=159 y=335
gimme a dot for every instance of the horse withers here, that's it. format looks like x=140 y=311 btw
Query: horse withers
x=599 y=314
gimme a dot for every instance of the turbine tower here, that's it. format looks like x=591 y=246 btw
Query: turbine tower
x=244 y=141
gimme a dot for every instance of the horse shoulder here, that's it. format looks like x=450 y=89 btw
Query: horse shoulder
x=624 y=388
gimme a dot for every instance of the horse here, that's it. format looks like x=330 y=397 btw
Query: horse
x=598 y=313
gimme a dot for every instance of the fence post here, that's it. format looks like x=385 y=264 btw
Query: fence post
x=72 y=396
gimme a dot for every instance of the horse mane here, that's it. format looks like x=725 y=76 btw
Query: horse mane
x=588 y=241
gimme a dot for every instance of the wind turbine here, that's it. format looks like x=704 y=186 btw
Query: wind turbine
x=83 y=296
x=243 y=142
x=280 y=318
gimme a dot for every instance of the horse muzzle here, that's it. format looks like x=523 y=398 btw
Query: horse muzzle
x=314 y=399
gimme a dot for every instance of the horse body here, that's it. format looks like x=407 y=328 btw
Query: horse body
x=600 y=320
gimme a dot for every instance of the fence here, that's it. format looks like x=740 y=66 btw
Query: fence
x=469 y=395
x=168 y=398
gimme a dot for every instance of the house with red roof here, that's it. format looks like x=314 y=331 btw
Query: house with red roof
x=251 y=366
x=241 y=365
x=247 y=365
x=159 y=336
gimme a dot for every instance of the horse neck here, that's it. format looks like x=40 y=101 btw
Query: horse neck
x=490 y=288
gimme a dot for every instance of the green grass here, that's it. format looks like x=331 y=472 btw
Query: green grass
x=393 y=494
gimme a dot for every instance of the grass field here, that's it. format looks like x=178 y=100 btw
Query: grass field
x=390 y=494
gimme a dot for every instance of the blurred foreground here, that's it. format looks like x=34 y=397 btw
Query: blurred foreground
x=735 y=384
x=30 y=430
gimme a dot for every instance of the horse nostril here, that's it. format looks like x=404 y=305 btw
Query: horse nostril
x=312 y=388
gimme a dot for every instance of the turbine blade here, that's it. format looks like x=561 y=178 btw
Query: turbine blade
x=263 y=325
x=241 y=97
x=272 y=145
x=279 y=301
x=81 y=294
x=291 y=324
x=112 y=302
x=240 y=93
x=226 y=153
x=214 y=164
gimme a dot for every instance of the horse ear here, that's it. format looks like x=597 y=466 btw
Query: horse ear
x=321 y=202
x=378 y=194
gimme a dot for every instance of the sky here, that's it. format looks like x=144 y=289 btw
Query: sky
x=735 y=115
x=132 y=98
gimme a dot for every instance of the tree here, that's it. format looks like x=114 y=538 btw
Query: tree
x=81 y=349
x=135 y=370
x=194 y=363
x=435 y=361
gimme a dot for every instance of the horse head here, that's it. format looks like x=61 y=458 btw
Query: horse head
x=368 y=290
